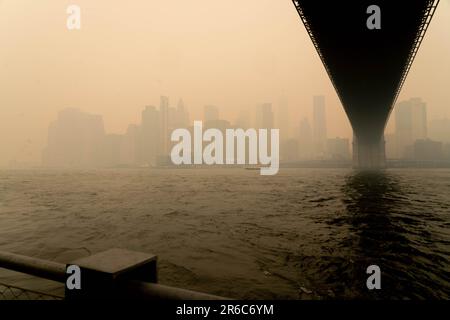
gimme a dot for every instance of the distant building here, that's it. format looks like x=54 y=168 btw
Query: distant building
x=210 y=113
x=181 y=116
x=290 y=150
x=410 y=125
x=149 y=136
x=129 y=149
x=439 y=130
x=78 y=139
x=319 y=126
x=111 y=150
x=264 y=116
x=155 y=131
x=221 y=125
x=74 y=139
x=390 y=146
x=164 y=126
x=305 y=141
x=243 y=120
x=338 y=149
x=446 y=151
x=427 y=150
x=283 y=120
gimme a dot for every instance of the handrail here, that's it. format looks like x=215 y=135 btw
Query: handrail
x=37 y=267
x=129 y=289
x=154 y=291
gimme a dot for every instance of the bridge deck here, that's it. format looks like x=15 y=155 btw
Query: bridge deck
x=367 y=67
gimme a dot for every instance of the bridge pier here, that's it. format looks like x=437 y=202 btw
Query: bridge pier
x=367 y=67
x=369 y=154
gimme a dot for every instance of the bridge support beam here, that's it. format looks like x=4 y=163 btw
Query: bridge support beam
x=369 y=154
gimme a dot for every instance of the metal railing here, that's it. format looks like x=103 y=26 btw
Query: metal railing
x=9 y=292
x=423 y=27
x=129 y=289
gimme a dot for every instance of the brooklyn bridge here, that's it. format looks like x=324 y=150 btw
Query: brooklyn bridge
x=367 y=48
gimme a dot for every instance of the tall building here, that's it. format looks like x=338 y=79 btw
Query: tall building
x=182 y=116
x=111 y=150
x=390 y=146
x=129 y=147
x=149 y=137
x=282 y=119
x=290 y=150
x=338 y=149
x=74 y=139
x=243 y=120
x=439 y=129
x=164 y=126
x=264 y=116
x=210 y=113
x=427 y=150
x=319 y=126
x=410 y=125
x=305 y=141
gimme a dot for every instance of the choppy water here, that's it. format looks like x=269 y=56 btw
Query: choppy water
x=304 y=233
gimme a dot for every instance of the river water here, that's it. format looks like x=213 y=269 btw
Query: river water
x=302 y=234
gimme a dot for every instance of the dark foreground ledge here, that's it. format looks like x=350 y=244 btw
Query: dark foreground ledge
x=115 y=274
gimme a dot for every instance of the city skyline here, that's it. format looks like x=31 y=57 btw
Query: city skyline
x=236 y=151
x=234 y=64
x=78 y=138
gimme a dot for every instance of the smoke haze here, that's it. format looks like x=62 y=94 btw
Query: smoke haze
x=232 y=54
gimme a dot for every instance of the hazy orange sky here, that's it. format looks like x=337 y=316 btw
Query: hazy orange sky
x=234 y=54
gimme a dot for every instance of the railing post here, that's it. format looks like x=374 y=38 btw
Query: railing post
x=101 y=272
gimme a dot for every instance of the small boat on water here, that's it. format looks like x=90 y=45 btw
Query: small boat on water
x=253 y=168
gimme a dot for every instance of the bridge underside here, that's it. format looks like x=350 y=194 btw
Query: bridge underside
x=367 y=67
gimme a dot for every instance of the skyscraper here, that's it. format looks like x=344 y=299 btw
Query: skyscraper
x=290 y=150
x=338 y=148
x=243 y=119
x=74 y=139
x=410 y=124
x=282 y=119
x=439 y=129
x=319 y=126
x=210 y=113
x=129 y=147
x=264 y=116
x=427 y=150
x=182 y=115
x=305 y=140
x=164 y=125
x=149 y=141
x=390 y=146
